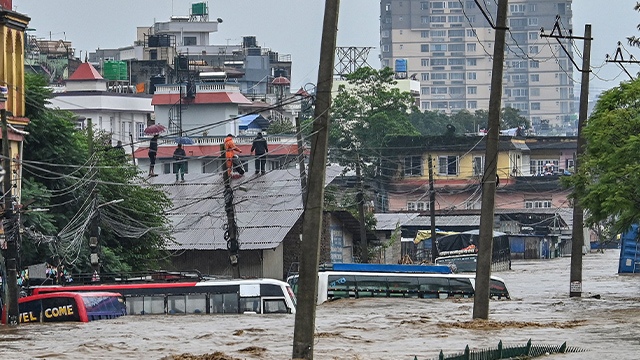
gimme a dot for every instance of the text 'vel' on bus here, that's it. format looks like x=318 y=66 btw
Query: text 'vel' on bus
x=255 y=296
x=69 y=306
x=334 y=285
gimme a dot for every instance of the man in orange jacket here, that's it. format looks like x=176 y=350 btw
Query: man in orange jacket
x=230 y=147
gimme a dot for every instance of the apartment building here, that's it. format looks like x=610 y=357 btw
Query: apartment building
x=448 y=47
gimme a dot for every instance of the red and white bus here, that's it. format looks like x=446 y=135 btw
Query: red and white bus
x=240 y=296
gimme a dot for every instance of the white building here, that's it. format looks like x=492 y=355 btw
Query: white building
x=123 y=115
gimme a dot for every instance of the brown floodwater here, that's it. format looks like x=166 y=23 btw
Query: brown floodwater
x=605 y=322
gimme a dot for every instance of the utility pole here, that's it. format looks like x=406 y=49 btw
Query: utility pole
x=364 y=248
x=577 y=233
x=10 y=227
x=485 y=243
x=90 y=135
x=303 y=173
x=304 y=330
x=133 y=152
x=432 y=212
x=94 y=234
x=231 y=233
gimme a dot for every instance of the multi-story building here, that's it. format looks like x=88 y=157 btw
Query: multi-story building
x=448 y=46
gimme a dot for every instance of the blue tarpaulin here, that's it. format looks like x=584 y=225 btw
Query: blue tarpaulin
x=253 y=121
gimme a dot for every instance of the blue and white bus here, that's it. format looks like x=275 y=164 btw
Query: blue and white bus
x=361 y=281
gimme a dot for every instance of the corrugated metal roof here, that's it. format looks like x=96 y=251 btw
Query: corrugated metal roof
x=266 y=208
x=388 y=221
x=443 y=221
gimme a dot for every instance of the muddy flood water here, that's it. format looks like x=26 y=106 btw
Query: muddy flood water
x=605 y=322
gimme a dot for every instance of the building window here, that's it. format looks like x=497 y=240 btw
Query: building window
x=189 y=40
x=438 y=90
x=424 y=62
x=424 y=5
x=457 y=19
x=471 y=76
x=425 y=76
x=448 y=165
x=472 y=90
x=518 y=23
x=535 y=77
x=413 y=166
x=424 y=33
x=520 y=92
x=385 y=34
x=535 y=106
x=455 y=5
x=535 y=92
x=438 y=76
x=533 y=21
x=471 y=47
x=517 y=8
x=533 y=8
x=472 y=104
x=418 y=205
x=424 y=20
x=438 y=33
x=424 y=91
x=438 y=5
x=425 y=105
x=533 y=36
x=533 y=50
x=543 y=166
x=472 y=62
x=139 y=129
x=385 y=48
x=424 y=47
x=456 y=76
x=471 y=32
x=456 y=47
x=478 y=165
x=537 y=204
x=470 y=5
x=456 y=33
x=438 y=19
x=534 y=64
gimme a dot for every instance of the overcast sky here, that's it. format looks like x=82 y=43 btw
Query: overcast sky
x=295 y=26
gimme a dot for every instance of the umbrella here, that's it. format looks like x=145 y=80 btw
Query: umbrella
x=155 y=129
x=184 y=140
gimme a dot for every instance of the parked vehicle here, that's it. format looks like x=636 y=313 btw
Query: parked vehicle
x=69 y=306
x=333 y=284
x=257 y=296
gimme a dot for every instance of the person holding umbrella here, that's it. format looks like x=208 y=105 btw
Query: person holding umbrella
x=153 y=151
x=179 y=155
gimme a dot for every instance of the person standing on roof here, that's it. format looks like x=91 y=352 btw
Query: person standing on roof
x=153 y=151
x=230 y=147
x=179 y=155
x=260 y=147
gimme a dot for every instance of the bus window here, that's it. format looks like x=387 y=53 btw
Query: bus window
x=432 y=287
x=498 y=289
x=371 y=286
x=274 y=306
x=196 y=304
x=403 y=286
x=250 y=304
x=224 y=303
x=460 y=287
x=176 y=304
x=341 y=286
x=134 y=305
x=153 y=305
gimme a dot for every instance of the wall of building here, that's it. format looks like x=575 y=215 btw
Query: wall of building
x=216 y=262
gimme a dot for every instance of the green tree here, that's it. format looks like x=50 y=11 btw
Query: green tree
x=60 y=174
x=607 y=184
x=632 y=40
x=510 y=118
x=283 y=126
x=364 y=112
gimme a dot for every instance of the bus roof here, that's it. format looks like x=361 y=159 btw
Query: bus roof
x=437 y=269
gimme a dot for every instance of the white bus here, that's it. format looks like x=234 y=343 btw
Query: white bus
x=341 y=284
x=240 y=296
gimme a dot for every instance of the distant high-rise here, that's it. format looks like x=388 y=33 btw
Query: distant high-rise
x=448 y=46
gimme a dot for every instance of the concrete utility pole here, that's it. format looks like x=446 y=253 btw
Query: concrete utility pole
x=577 y=233
x=432 y=212
x=94 y=234
x=303 y=173
x=10 y=227
x=231 y=234
x=364 y=247
x=485 y=244
x=304 y=330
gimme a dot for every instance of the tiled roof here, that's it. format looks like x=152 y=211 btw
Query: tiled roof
x=214 y=150
x=86 y=71
x=266 y=208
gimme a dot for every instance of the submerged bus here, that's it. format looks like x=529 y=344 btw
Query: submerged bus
x=69 y=306
x=255 y=296
x=344 y=283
